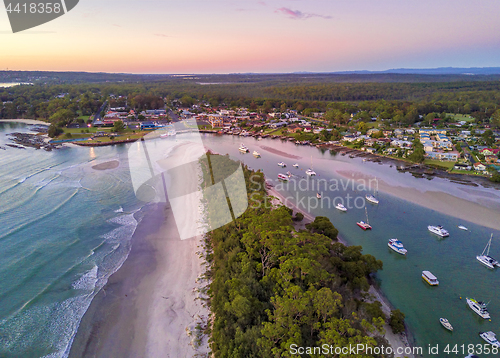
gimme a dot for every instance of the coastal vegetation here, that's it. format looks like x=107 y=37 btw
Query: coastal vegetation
x=272 y=285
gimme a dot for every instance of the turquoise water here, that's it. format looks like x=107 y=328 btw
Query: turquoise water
x=452 y=259
x=64 y=228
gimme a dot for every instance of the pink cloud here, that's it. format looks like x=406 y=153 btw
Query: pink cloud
x=298 y=15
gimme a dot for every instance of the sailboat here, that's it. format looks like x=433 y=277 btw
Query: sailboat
x=487 y=260
x=310 y=171
x=365 y=225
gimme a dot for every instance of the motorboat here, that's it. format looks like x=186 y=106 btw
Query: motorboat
x=371 y=199
x=318 y=195
x=486 y=259
x=446 y=324
x=397 y=246
x=289 y=174
x=310 y=171
x=461 y=227
x=479 y=307
x=491 y=338
x=256 y=154
x=340 y=207
x=243 y=148
x=281 y=164
x=430 y=278
x=296 y=165
x=438 y=230
x=283 y=177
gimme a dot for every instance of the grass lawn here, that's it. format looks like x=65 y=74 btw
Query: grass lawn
x=460 y=117
x=437 y=163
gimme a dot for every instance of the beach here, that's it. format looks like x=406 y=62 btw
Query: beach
x=150 y=306
x=25 y=121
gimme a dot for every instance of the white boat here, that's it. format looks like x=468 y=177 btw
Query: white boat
x=397 y=246
x=371 y=199
x=446 y=324
x=282 y=177
x=295 y=165
x=478 y=307
x=491 y=338
x=243 y=148
x=461 y=227
x=487 y=260
x=430 y=278
x=281 y=164
x=438 y=230
x=256 y=154
x=289 y=174
x=310 y=171
x=340 y=207
x=318 y=195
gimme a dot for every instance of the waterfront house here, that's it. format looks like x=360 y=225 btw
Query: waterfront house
x=491 y=159
x=479 y=167
x=460 y=166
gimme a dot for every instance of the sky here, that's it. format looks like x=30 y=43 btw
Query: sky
x=239 y=36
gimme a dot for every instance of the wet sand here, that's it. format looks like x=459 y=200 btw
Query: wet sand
x=25 y=121
x=113 y=164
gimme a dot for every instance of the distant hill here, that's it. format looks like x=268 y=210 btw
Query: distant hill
x=432 y=71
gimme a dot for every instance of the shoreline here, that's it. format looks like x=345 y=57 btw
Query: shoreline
x=395 y=340
x=26 y=121
x=151 y=306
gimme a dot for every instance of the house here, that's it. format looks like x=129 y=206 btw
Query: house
x=459 y=166
x=216 y=120
x=307 y=129
x=349 y=138
x=448 y=156
x=442 y=137
x=479 y=167
x=147 y=126
x=491 y=159
x=489 y=151
x=278 y=125
x=432 y=131
x=294 y=128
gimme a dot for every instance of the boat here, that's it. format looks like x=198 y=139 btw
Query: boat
x=310 y=171
x=340 y=207
x=243 y=148
x=461 y=227
x=295 y=165
x=283 y=177
x=430 y=278
x=487 y=260
x=479 y=307
x=397 y=246
x=364 y=225
x=256 y=154
x=446 y=324
x=318 y=195
x=438 y=230
x=490 y=337
x=281 y=164
x=371 y=199
x=289 y=174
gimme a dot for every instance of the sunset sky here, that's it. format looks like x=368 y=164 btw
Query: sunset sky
x=188 y=36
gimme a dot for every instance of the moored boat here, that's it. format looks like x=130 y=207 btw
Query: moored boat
x=490 y=338
x=397 y=246
x=461 y=227
x=365 y=225
x=371 y=199
x=430 y=278
x=318 y=195
x=479 y=307
x=340 y=207
x=281 y=164
x=486 y=259
x=243 y=148
x=446 y=324
x=296 y=165
x=282 y=177
x=438 y=230
x=256 y=154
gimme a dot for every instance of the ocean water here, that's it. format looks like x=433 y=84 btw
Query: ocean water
x=64 y=229
x=452 y=260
